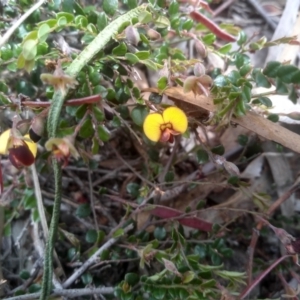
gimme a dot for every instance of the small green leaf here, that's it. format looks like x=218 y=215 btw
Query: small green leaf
x=91 y=236
x=155 y=98
x=221 y=81
x=71 y=253
x=202 y=156
x=281 y=87
x=120 y=50
x=264 y=101
x=42 y=48
x=209 y=39
x=162 y=22
x=293 y=95
x=208 y=284
x=29 y=49
x=218 y=150
x=234 y=76
x=6 y=52
x=68 y=6
x=132 y=278
x=215 y=258
x=103 y=133
x=132 y=58
x=162 y=83
x=83 y=210
x=110 y=6
x=289 y=74
x=244 y=70
x=239 y=60
x=139 y=113
x=87 y=278
x=145 y=17
x=133 y=189
x=34 y=288
x=200 y=250
x=188 y=25
x=29 y=199
x=188 y=276
x=160 y=233
x=3 y=87
x=225 y=49
x=4 y=100
x=98 y=113
x=43 y=32
x=132 y=4
x=261 y=80
x=119 y=232
x=24 y=274
x=68 y=16
x=173 y=8
x=246 y=94
x=102 y=21
x=242 y=38
x=159 y=293
x=62 y=21
x=242 y=140
x=91 y=28
x=273 y=117
x=86 y=130
x=142 y=55
x=271 y=69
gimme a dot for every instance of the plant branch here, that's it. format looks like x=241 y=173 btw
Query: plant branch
x=261 y=277
x=72 y=293
x=93 y=259
x=17 y=24
x=53 y=119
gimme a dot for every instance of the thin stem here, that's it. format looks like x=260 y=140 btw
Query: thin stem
x=93 y=259
x=48 y=263
x=53 y=119
x=17 y=24
x=70 y=293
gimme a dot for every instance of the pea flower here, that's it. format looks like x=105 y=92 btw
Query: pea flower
x=21 y=150
x=162 y=127
x=59 y=80
x=62 y=148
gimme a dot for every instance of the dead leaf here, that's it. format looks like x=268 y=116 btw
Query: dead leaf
x=193 y=222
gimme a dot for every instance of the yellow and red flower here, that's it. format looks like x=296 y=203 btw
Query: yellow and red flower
x=162 y=127
x=21 y=150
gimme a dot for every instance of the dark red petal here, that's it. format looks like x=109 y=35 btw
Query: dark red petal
x=294 y=247
x=20 y=156
x=165 y=136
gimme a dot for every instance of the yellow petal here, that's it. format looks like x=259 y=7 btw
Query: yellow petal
x=152 y=125
x=177 y=118
x=4 y=137
x=31 y=145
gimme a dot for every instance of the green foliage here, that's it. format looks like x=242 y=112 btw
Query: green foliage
x=180 y=265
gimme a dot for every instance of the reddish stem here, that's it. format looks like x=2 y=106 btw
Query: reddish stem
x=71 y=102
x=260 y=277
x=213 y=27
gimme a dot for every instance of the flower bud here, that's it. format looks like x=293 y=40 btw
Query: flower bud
x=20 y=156
x=153 y=34
x=200 y=48
x=37 y=128
x=21 y=150
x=23 y=126
x=132 y=35
x=199 y=69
